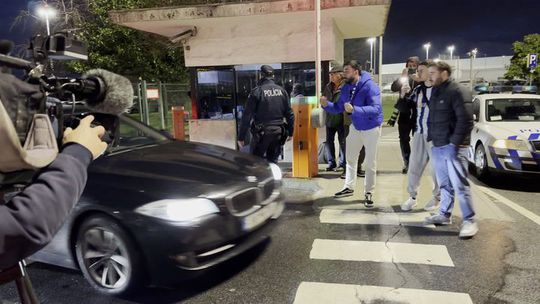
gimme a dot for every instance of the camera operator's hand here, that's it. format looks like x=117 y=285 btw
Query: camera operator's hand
x=87 y=136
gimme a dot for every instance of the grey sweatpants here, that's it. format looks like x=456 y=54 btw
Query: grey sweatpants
x=420 y=156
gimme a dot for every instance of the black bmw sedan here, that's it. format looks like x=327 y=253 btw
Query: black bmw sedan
x=157 y=211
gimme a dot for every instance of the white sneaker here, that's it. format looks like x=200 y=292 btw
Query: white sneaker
x=409 y=204
x=469 y=228
x=433 y=204
x=438 y=219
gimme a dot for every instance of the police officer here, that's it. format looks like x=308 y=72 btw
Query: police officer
x=269 y=113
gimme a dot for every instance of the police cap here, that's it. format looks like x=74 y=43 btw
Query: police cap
x=267 y=71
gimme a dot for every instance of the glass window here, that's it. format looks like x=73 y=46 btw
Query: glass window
x=133 y=133
x=299 y=79
x=215 y=93
x=518 y=109
x=476 y=109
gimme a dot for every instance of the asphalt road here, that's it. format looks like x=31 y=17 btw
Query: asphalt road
x=307 y=260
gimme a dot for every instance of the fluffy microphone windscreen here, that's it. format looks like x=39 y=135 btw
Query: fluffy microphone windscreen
x=118 y=92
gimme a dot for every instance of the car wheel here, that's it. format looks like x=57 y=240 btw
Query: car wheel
x=481 y=162
x=108 y=257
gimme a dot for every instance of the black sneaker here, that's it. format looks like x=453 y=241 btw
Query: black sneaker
x=368 y=202
x=331 y=169
x=361 y=173
x=344 y=193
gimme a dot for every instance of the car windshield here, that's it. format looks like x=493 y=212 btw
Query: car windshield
x=513 y=109
x=133 y=133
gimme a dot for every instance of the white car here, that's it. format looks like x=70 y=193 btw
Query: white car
x=506 y=134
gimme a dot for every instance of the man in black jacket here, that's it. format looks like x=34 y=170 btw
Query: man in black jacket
x=406 y=117
x=267 y=109
x=29 y=220
x=335 y=123
x=450 y=126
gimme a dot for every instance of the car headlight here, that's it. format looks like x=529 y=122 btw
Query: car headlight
x=179 y=210
x=511 y=144
x=276 y=172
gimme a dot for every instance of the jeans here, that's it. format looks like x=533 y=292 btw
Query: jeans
x=330 y=146
x=451 y=164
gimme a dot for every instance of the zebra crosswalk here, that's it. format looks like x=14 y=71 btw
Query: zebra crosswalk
x=382 y=252
x=360 y=251
x=314 y=292
x=390 y=138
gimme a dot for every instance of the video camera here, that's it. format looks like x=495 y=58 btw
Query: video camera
x=31 y=111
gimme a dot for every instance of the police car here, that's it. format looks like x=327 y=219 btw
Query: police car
x=506 y=133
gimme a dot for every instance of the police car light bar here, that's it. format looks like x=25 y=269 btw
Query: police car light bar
x=486 y=89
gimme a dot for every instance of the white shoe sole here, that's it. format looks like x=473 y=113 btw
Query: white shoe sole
x=408 y=209
x=431 y=208
x=343 y=195
x=468 y=235
x=438 y=223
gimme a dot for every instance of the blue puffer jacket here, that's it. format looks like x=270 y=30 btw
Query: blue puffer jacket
x=367 y=112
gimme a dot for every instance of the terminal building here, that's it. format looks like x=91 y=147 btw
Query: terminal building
x=484 y=69
x=226 y=43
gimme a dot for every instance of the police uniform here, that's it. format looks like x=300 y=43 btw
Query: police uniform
x=268 y=116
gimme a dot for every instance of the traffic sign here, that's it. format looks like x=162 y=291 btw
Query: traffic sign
x=532 y=61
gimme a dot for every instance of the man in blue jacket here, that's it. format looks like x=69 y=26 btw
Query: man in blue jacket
x=361 y=99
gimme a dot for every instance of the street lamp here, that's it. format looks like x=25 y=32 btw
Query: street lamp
x=46 y=12
x=427 y=46
x=371 y=42
x=472 y=55
x=451 y=50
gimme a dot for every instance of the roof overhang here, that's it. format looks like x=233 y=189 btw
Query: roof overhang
x=261 y=32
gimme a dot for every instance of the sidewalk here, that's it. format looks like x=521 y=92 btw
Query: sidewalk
x=391 y=187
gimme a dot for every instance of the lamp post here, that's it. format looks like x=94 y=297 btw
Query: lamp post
x=46 y=12
x=371 y=42
x=472 y=55
x=427 y=46
x=451 y=50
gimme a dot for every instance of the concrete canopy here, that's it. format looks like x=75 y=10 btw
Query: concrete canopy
x=261 y=32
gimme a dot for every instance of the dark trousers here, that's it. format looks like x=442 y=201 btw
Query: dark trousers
x=269 y=144
x=405 y=129
x=331 y=148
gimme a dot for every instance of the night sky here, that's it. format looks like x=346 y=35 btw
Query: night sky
x=490 y=26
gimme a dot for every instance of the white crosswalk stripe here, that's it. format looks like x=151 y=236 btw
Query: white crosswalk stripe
x=384 y=251
x=389 y=138
x=381 y=252
x=322 y=293
x=361 y=217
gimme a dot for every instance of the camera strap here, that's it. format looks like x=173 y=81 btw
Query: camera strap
x=39 y=150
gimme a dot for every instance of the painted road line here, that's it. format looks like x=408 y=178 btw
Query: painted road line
x=361 y=217
x=323 y=293
x=526 y=213
x=381 y=252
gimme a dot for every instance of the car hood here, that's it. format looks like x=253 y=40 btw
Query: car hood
x=515 y=130
x=180 y=169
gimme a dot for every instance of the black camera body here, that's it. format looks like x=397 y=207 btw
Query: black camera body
x=59 y=46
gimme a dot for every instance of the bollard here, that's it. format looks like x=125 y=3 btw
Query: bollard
x=179 y=120
x=305 y=160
